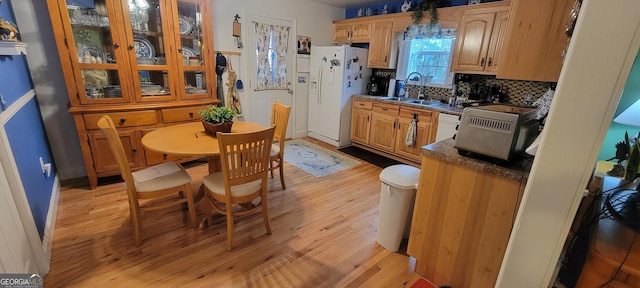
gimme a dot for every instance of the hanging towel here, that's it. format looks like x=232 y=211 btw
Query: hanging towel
x=411 y=133
x=232 y=100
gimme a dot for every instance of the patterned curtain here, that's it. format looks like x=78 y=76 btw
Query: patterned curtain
x=427 y=31
x=271 y=56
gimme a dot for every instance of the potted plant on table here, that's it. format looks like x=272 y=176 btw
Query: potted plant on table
x=217 y=119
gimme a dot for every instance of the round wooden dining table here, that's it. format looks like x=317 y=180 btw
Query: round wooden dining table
x=189 y=139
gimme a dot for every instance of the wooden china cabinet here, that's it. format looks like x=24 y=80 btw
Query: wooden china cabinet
x=145 y=63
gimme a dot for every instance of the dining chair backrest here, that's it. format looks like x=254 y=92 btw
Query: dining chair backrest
x=245 y=156
x=108 y=128
x=280 y=118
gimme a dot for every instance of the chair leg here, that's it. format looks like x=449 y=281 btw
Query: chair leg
x=190 y=204
x=265 y=216
x=280 y=162
x=271 y=168
x=229 y=226
x=137 y=225
x=208 y=209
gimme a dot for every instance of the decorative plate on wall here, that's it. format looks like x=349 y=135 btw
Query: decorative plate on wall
x=144 y=48
x=185 y=25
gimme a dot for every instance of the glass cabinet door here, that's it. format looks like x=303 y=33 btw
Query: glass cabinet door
x=149 y=46
x=193 y=48
x=100 y=56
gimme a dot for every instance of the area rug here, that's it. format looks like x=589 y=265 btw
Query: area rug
x=314 y=159
x=373 y=158
x=423 y=283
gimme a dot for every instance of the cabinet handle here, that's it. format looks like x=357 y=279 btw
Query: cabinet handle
x=385 y=59
x=490 y=61
x=482 y=62
x=131 y=46
x=164 y=156
x=134 y=149
x=190 y=114
x=180 y=50
x=116 y=45
x=122 y=120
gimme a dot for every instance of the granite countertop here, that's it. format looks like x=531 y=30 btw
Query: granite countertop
x=434 y=105
x=517 y=170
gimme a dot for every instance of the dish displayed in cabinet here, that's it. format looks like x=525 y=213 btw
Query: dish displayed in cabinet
x=185 y=25
x=90 y=54
x=144 y=48
x=188 y=52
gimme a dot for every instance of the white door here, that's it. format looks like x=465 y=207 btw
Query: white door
x=262 y=100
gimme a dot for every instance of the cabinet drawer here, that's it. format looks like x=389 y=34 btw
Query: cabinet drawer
x=387 y=109
x=362 y=104
x=123 y=119
x=423 y=115
x=181 y=114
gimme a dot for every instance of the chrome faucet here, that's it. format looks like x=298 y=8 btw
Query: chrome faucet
x=421 y=79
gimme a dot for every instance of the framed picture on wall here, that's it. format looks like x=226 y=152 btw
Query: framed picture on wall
x=304 y=44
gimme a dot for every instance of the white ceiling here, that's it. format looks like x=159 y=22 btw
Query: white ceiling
x=347 y=3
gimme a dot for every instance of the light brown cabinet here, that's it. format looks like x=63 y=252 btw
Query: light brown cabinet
x=133 y=61
x=462 y=220
x=383 y=127
x=534 y=40
x=381 y=46
x=425 y=132
x=360 y=121
x=351 y=32
x=480 y=37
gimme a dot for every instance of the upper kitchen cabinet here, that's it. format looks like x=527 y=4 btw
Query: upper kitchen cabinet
x=381 y=45
x=136 y=61
x=480 y=37
x=354 y=31
x=534 y=40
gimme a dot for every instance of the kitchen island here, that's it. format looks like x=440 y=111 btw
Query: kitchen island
x=463 y=215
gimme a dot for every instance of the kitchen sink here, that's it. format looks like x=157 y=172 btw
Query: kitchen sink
x=424 y=102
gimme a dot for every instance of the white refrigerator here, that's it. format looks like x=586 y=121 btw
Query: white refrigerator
x=337 y=73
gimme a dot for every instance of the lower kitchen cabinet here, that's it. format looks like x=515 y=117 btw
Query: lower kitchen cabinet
x=383 y=127
x=463 y=216
x=360 y=121
x=425 y=132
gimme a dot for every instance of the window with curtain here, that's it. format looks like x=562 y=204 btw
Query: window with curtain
x=271 y=56
x=428 y=50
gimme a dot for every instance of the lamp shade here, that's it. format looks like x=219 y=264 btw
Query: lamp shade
x=630 y=116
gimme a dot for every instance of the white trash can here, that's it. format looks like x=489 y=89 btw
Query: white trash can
x=397 y=195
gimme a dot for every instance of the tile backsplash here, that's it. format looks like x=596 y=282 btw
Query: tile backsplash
x=515 y=89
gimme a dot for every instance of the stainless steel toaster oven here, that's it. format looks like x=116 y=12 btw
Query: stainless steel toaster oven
x=498 y=131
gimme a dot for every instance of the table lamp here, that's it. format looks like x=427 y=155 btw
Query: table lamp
x=624 y=205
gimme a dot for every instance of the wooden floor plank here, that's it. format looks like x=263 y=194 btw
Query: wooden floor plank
x=324 y=235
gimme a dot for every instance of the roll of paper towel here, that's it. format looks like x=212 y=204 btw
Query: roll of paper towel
x=392 y=87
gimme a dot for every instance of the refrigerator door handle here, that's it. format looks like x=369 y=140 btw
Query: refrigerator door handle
x=320 y=70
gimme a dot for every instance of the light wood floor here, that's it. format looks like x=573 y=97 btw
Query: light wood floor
x=324 y=235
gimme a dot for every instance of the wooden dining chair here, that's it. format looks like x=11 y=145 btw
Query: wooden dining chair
x=245 y=165
x=159 y=181
x=279 y=119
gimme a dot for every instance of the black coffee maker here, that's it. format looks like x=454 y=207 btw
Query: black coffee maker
x=378 y=85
